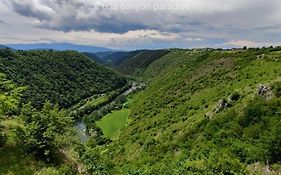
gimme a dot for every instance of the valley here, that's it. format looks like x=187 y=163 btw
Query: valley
x=174 y=111
x=146 y=87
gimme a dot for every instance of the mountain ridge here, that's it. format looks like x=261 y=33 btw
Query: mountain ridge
x=59 y=46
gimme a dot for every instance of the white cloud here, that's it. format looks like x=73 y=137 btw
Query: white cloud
x=248 y=43
x=202 y=23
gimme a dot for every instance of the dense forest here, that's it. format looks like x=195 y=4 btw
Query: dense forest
x=62 y=77
x=37 y=133
x=181 y=111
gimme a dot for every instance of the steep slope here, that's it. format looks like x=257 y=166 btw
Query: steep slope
x=93 y=57
x=203 y=112
x=116 y=58
x=63 y=77
x=140 y=61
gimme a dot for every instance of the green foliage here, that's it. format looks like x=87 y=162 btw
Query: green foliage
x=63 y=170
x=140 y=61
x=9 y=96
x=172 y=127
x=13 y=161
x=277 y=89
x=91 y=159
x=64 y=77
x=90 y=105
x=116 y=58
x=175 y=128
x=41 y=128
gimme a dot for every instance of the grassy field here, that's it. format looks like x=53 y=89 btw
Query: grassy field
x=96 y=102
x=112 y=123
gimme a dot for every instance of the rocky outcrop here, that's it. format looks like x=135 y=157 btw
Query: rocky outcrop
x=225 y=103
x=265 y=92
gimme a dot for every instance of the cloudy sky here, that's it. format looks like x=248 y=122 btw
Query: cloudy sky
x=136 y=24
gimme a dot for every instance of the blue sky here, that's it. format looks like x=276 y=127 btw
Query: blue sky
x=138 y=24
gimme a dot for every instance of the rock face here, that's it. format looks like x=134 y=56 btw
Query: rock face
x=265 y=92
x=222 y=105
x=225 y=103
x=262 y=90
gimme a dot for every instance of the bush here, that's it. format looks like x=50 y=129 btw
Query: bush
x=3 y=137
x=41 y=128
x=235 y=96
x=253 y=112
x=277 y=89
x=223 y=163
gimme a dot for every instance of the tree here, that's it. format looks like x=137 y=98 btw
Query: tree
x=41 y=128
x=9 y=95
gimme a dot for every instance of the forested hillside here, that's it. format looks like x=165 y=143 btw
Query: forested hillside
x=203 y=112
x=94 y=57
x=63 y=77
x=37 y=135
x=140 y=61
x=115 y=58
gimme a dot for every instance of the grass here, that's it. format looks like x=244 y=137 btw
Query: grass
x=93 y=103
x=112 y=123
x=13 y=161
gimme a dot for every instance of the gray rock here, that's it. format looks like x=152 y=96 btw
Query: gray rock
x=265 y=92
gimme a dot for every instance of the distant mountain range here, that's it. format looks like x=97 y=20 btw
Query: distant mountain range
x=59 y=46
x=3 y=46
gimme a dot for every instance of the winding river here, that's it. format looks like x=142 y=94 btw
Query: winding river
x=81 y=126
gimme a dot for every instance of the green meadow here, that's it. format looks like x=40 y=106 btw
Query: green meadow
x=112 y=123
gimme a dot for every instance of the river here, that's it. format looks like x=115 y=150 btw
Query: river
x=81 y=126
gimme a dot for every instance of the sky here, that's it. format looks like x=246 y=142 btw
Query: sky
x=140 y=24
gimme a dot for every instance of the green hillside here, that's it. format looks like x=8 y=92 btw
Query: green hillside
x=63 y=77
x=115 y=58
x=140 y=61
x=203 y=112
x=38 y=137
x=94 y=57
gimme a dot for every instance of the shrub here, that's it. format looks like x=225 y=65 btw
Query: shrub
x=2 y=137
x=235 y=96
x=277 y=89
x=41 y=128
